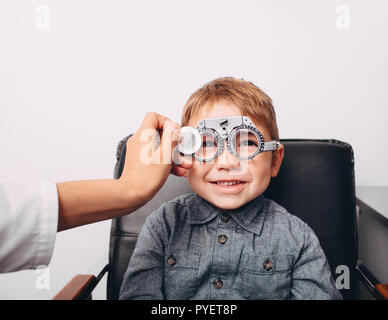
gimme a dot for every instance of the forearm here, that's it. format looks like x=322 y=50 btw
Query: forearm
x=83 y=202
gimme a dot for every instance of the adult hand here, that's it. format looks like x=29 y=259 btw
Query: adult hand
x=148 y=162
x=147 y=166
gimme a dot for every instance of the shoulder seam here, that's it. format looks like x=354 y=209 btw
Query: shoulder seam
x=288 y=214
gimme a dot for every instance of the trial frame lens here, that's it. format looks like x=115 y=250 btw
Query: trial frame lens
x=211 y=145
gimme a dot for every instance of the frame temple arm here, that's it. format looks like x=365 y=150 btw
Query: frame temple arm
x=271 y=145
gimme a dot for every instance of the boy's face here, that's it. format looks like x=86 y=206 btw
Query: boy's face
x=252 y=176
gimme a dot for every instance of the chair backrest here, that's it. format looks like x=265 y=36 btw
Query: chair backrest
x=315 y=183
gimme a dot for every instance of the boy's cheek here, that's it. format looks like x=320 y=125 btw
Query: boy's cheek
x=198 y=170
x=195 y=178
x=192 y=176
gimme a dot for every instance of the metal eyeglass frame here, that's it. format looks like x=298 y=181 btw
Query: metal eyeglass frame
x=227 y=128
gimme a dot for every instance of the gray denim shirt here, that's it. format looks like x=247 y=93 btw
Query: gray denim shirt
x=188 y=249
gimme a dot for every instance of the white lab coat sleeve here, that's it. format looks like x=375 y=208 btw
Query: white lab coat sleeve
x=28 y=224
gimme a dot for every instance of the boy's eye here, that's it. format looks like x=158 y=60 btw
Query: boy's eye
x=208 y=143
x=247 y=143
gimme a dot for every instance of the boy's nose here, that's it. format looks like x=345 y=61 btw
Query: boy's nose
x=226 y=160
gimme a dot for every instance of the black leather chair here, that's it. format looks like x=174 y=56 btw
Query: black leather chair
x=315 y=182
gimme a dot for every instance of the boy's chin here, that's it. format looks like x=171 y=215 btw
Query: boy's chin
x=224 y=204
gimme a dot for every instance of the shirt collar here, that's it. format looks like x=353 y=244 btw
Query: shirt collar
x=250 y=216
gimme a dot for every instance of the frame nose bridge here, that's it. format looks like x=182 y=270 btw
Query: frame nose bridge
x=226 y=159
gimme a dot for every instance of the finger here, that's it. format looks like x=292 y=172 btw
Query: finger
x=170 y=137
x=151 y=127
x=177 y=171
x=183 y=161
x=186 y=166
x=154 y=120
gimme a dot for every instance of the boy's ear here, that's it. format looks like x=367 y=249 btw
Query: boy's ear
x=277 y=158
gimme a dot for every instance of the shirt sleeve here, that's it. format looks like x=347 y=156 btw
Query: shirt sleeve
x=143 y=279
x=28 y=224
x=311 y=277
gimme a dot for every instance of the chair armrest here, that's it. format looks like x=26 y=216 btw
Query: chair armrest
x=382 y=290
x=80 y=287
x=76 y=288
x=377 y=289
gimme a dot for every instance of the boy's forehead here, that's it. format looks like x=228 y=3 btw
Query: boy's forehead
x=222 y=109
x=215 y=110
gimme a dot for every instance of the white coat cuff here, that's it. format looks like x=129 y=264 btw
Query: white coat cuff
x=48 y=224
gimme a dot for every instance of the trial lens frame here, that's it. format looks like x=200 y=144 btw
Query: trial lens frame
x=227 y=128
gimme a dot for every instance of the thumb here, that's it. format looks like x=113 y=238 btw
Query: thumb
x=169 y=140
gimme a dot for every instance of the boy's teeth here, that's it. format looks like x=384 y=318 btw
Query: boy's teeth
x=227 y=183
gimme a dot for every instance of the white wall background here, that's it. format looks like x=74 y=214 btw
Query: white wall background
x=69 y=93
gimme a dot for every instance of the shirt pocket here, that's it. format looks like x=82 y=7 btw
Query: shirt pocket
x=181 y=274
x=267 y=277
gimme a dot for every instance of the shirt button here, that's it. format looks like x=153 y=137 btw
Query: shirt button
x=268 y=265
x=218 y=284
x=171 y=261
x=225 y=218
x=222 y=238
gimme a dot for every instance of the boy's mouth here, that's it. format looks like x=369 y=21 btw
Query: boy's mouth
x=228 y=186
x=228 y=183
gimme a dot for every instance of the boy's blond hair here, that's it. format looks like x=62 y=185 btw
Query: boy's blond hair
x=250 y=99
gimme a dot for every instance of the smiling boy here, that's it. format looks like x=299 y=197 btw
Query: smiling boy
x=225 y=240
